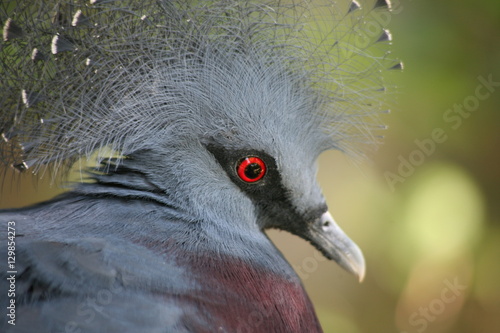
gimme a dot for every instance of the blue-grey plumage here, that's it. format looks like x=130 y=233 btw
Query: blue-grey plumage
x=218 y=111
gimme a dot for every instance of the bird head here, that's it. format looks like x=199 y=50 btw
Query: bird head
x=224 y=108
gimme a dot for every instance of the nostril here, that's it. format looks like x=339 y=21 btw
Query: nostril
x=326 y=224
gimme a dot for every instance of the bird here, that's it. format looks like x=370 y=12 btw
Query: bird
x=205 y=120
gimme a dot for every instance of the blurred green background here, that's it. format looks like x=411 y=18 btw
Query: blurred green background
x=426 y=209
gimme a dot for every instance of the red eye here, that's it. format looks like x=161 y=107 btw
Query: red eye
x=251 y=169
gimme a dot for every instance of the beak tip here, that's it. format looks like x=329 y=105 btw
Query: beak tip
x=361 y=273
x=356 y=263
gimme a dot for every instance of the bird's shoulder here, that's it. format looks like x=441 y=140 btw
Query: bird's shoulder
x=85 y=284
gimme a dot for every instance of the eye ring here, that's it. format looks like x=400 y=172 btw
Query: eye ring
x=251 y=169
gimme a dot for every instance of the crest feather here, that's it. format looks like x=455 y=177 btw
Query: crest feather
x=79 y=77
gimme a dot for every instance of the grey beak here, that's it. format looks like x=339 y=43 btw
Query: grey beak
x=327 y=236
